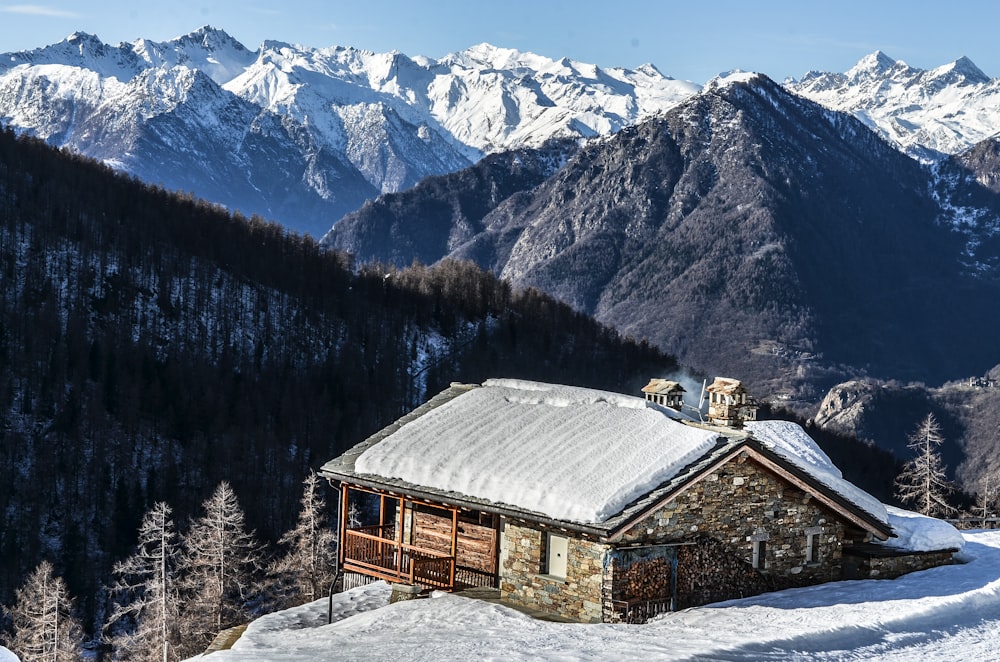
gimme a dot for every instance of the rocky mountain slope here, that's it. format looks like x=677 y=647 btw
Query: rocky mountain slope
x=304 y=135
x=751 y=231
x=886 y=413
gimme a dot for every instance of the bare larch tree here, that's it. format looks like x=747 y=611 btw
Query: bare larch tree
x=923 y=482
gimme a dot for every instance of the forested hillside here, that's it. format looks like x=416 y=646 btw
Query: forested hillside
x=152 y=346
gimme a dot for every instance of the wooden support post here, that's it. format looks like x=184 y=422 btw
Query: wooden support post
x=399 y=541
x=343 y=523
x=454 y=547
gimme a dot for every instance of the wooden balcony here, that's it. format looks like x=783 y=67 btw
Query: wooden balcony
x=416 y=542
x=369 y=553
x=373 y=551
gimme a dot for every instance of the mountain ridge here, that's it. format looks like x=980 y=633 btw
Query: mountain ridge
x=349 y=124
x=790 y=228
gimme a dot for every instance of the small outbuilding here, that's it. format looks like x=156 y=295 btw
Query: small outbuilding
x=594 y=506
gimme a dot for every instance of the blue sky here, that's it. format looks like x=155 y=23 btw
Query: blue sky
x=692 y=39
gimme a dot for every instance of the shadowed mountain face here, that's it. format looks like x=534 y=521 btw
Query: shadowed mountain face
x=753 y=232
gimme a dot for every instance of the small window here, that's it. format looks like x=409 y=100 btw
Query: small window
x=760 y=554
x=812 y=544
x=556 y=551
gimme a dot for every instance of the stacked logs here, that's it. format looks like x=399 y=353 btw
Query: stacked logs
x=647 y=580
x=707 y=572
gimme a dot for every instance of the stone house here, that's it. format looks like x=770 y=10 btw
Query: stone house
x=596 y=506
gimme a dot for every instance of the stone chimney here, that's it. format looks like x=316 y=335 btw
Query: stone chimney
x=729 y=403
x=665 y=392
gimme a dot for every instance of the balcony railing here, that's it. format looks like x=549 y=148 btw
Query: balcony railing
x=367 y=551
x=640 y=611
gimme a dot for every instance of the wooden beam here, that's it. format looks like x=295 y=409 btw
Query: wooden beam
x=343 y=524
x=399 y=539
x=454 y=546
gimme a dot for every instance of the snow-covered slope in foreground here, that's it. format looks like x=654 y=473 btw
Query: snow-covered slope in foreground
x=946 y=613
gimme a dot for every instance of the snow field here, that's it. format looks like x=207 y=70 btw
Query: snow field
x=946 y=613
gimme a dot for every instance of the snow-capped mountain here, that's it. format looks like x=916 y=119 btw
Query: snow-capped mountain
x=928 y=113
x=303 y=135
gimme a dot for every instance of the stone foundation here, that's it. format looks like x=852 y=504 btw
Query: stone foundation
x=875 y=564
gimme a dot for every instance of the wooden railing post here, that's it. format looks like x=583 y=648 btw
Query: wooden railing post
x=399 y=540
x=343 y=524
x=454 y=547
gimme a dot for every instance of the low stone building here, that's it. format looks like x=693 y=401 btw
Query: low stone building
x=595 y=506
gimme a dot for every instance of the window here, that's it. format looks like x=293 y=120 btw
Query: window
x=760 y=554
x=556 y=549
x=812 y=542
x=758 y=543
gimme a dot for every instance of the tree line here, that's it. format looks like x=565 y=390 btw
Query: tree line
x=175 y=592
x=153 y=345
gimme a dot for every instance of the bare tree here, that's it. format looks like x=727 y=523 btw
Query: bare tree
x=307 y=569
x=986 y=498
x=219 y=565
x=144 y=624
x=45 y=628
x=923 y=482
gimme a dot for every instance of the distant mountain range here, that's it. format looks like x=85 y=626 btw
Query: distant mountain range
x=304 y=135
x=794 y=234
x=927 y=113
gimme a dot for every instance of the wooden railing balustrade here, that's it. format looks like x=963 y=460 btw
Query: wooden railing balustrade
x=640 y=611
x=395 y=561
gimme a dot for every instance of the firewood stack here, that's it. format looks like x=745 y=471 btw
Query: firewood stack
x=647 y=580
x=706 y=573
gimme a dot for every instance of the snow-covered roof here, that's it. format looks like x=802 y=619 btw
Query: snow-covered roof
x=920 y=533
x=789 y=441
x=591 y=459
x=570 y=453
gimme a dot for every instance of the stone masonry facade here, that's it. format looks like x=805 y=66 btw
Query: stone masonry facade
x=757 y=523
x=575 y=597
x=742 y=504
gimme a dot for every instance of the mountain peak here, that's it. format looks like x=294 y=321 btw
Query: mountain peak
x=877 y=63
x=734 y=77
x=962 y=71
x=209 y=38
x=82 y=37
x=84 y=42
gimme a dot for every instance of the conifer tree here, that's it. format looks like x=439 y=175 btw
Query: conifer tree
x=45 y=627
x=144 y=624
x=304 y=573
x=219 y=565
x=923 y=482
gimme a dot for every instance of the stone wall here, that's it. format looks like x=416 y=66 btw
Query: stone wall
x=890 y=566
x=741 y=504
x=724 y=517
x=576 y=597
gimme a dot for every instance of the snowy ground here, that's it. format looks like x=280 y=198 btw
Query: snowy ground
x=946 y=613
